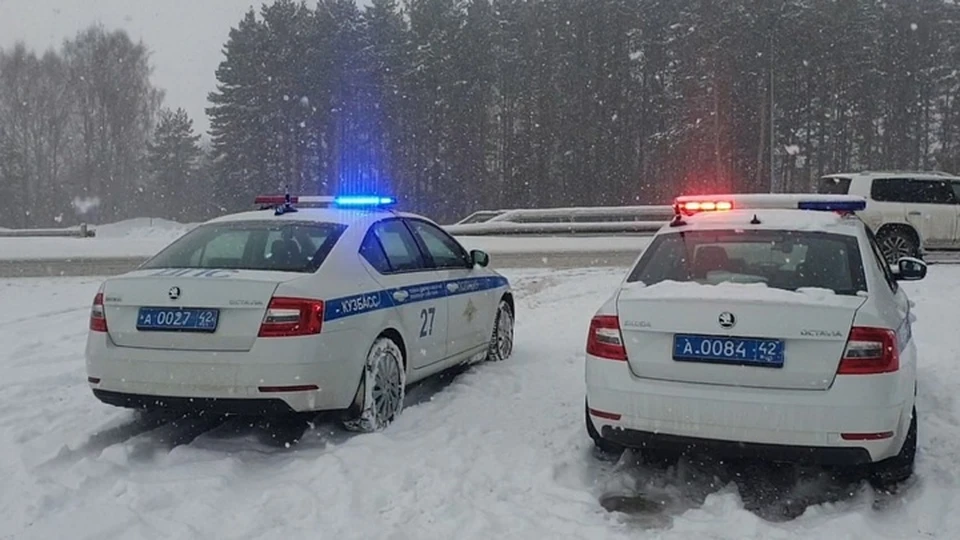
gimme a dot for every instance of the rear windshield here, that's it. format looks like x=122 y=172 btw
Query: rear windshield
x=788 y=260
x=833 y=186
x=280 y=246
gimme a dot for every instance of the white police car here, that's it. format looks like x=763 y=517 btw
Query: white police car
x=295 y=309
x=760 y=325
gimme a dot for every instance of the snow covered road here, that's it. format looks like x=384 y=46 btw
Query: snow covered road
x=498 y=451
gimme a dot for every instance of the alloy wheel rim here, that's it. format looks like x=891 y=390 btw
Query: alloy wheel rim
x=895 y=247
x=504 y=334
x=386 y=387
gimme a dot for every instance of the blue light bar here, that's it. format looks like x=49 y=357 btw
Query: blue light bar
x=833 y=206
x=358 y=201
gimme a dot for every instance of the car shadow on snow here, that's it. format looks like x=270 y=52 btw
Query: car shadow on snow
x=313 y=431
x=147 y=434
x=651 y=493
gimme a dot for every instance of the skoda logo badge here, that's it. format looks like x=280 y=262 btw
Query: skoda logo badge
x=174 y=293
x=727 y=320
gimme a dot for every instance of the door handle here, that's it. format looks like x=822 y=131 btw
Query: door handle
x=400 y=296
x=914 y=214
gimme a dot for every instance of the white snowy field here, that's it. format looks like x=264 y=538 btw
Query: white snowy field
x=498 y=451
x=144 y=237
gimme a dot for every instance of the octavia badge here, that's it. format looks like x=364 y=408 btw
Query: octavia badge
x=727 y=320
x=174 y=293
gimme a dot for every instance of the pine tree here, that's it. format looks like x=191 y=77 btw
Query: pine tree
x=173 y=158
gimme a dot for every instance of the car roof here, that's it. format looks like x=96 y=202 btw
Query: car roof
x=319 y=215
x=920 y=175
x=770 y=219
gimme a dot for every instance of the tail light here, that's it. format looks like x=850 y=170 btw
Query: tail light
x=605 y=339
x=289 y=317
x=98 y=316
x=870 y=351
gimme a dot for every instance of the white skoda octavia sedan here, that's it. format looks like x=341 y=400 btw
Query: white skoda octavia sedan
x=291 y=309
x=762 y=326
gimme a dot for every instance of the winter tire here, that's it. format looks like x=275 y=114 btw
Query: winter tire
x=889 y=472
x=383 y=387
x=501 y=340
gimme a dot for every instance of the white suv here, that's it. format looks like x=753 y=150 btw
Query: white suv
x=910 y=212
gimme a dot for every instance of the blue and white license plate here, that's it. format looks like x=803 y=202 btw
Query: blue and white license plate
x=728 y=350
x=178 y=319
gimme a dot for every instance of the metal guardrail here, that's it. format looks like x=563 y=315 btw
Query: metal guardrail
x=83 y=231
x=587 y=220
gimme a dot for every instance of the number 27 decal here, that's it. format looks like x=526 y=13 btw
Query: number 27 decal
x=426 y=316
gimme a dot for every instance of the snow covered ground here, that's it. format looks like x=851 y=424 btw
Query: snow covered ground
x=498 y=451
x=144 y=237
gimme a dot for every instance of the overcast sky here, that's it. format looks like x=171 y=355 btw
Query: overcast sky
x=185 y=36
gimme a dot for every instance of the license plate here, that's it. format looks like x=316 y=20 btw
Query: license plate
x=728 y=350
x=178 y=319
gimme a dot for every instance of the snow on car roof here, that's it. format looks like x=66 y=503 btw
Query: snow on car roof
x=325 y=215
x=794 y=220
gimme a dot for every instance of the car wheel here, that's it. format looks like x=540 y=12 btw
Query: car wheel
x=501 y=341
x=897 y=243
x=384 y=387
x=598 y=441
x=889 y=472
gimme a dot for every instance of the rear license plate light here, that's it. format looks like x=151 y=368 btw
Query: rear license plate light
x=152 y=319
x=728 y=350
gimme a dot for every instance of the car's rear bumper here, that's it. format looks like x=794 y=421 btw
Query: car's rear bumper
x=840 y=425
x=721 y=449
x=253 y=406
x=300 y=376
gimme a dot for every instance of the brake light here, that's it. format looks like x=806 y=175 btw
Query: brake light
x=98 y=316
x=605 y=340
x=289 y=317
x=870 y=351
x=692 y=207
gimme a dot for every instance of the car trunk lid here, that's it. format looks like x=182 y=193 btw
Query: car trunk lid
x=189 y=309
x=736 y=334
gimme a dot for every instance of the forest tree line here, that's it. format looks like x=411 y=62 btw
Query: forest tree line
x=461 y=105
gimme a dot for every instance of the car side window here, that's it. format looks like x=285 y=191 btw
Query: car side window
x=933 y=192
x=881 y=260
x=442 y=248
x=399 y=246
x=956 y=189
x=890 y=190
x=373 y=252
x=906 y=190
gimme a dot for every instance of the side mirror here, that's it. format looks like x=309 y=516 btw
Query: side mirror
x=910 y=269
x=479 y=258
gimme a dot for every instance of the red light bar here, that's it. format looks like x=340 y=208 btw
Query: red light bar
x=692 y=207
x=274 y=199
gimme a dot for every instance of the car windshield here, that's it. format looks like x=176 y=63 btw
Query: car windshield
x=788 y=260
x=280 y=246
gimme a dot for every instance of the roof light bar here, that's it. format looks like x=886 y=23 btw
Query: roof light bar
x=359 y=201
x=845 y=204
x=692 y=207
x=833 y=206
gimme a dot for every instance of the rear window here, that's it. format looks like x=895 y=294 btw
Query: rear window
x=834 y=186
x=788 y=260
x=280 y=246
